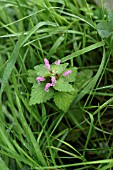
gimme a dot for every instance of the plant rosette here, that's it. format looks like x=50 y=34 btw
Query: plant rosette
x=52 y=81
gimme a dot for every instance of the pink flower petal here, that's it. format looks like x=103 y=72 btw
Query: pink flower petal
x=47 y=87
x=57 y=62
x=47 y=63
x=53 y=80
x=67 y=72
x=39 y=79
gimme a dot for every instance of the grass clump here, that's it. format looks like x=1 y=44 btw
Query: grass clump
x=56 y=134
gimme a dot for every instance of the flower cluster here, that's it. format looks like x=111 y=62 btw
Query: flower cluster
x=53 y=76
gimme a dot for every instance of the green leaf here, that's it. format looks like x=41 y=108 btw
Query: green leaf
x=39 y=95
x=82 y=77
x=83 y=51
x=58 y=68
x=71 y=77
x=110 y=18
x=3 y=165
x=42 y=70
x=39 y=2
x=75 y=115
x=58 y=1
x=62 y=85
x=104 y=29
x=11 y=63
x=31 y=76
x=63 y=100
x=55 y=46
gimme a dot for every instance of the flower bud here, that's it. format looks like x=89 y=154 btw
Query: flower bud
x=47 y=87
x=39 y=79
x=47 y=63
x=57 y=62
x=67 y=73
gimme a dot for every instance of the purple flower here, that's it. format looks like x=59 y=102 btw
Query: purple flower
x=47 y=63
x=53 y=80
x=53 y=75
x=67 y=72
x=57 y=62
x=47 y=87
x=39 y=79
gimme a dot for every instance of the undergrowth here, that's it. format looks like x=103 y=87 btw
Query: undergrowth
x=45 y=135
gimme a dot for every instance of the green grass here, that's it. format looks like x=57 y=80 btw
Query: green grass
x=42 y=136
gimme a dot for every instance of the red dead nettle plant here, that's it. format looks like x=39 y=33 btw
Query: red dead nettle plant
x=53 y=81
x=53 y=75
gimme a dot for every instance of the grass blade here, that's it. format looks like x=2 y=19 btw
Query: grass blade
x=83 y=51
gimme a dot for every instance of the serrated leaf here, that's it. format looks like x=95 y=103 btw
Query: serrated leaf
x=63 y=100
x=71 y=77
x=31 y=76
x=59 y=68
x=39 y=95
x=42 y=70
x=82 y=77
x=104 y=29
x=62 y=85
x=31 y=79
